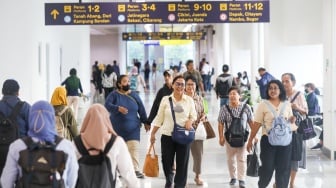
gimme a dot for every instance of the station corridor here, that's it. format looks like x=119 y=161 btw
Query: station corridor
x=320 y=172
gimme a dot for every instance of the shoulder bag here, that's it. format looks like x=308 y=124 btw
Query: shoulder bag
x=180 y=134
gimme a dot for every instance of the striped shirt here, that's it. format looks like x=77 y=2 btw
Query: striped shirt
x=225 y=117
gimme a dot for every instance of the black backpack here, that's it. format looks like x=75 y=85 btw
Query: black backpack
x=42 y=165
x=236 y=135
x=223 y=85
x=9 y=131
x=94 y=170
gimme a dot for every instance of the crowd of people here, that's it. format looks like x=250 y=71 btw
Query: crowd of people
x=121 y=116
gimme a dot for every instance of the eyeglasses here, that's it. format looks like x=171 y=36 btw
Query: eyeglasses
x=179 y=84
x=273 y=88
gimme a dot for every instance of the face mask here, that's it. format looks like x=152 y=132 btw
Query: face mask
x=306 y=90
x=125 y=88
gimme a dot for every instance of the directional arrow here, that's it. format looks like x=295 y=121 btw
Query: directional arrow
x=54 y=13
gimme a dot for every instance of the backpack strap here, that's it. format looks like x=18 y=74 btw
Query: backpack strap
x=172 y=109
x=63 y=111
x=231 y=114
x=110 y=144
x=83 y=151
x=273 y=111
x=270 y=107
x=293 y=99
x=15 y=110
x=282 y=108
x=80 y=146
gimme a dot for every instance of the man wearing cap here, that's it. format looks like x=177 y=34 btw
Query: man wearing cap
x=10 y=92
x=164 y=91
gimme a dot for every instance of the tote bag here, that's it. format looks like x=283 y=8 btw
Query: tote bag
x=151 y=166
x=200 y=133
x=209 y=130
x=252 y=163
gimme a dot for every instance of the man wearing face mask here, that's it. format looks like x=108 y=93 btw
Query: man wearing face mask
x=127 y=113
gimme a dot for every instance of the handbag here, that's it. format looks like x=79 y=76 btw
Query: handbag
x=180 y=134
x=200 y=133
x=306 y=128
x=151 y=165
x=252 y=163
x=296 y=146
x=209 y=130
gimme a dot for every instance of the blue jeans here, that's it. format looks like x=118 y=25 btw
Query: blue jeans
x=224 y=101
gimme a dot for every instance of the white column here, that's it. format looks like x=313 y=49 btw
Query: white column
x=329 y=87
x=257 y=56
x=122 y=52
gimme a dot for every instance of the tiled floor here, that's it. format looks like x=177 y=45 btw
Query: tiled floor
x=320 y=172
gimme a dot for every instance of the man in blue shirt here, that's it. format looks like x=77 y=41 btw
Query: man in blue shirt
x=265 y=77
x=10 y=99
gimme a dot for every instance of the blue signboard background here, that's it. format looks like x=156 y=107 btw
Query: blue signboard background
x=156 y=12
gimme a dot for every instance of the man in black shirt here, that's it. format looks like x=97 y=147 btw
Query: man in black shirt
x=164 y=91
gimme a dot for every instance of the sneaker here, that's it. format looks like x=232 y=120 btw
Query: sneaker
x=241 y=184
x=139 y=174
x=233 y=181
x=317 y=146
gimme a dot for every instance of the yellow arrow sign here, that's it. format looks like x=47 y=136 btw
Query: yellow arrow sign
x=54 y=13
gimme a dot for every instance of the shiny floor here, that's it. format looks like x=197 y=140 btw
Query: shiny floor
x=320 y=171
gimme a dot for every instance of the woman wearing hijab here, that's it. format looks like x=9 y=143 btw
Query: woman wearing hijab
x=96 y=132
x=59 y=102
x=41 y=131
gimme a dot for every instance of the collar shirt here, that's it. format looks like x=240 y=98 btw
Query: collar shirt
x=265 y=117
x=206 y=69
x=184 y=110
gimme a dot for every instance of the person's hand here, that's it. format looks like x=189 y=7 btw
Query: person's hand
x=203 y=93
x=203 y=118
x=294 y=106
x=152 y=138
x=221 y=140
x=147 y=127
x=255 y=140
x=188 y=125
x=123 y=110
x=249 y=146
x=292 y=119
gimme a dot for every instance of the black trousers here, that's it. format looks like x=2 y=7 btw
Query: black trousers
x=276 y=158
x=107 y=91
x=168 y=149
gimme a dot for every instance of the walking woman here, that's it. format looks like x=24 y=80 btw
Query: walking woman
x=127 y=112
x=273 y=158
x=59 y=102
x=236 y=156
x=184 y=108
x=299 y=107
x=96 y=125
x=197 y=145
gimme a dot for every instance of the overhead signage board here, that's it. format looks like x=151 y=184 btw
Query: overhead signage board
x=118 y=13
x=135 y=36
